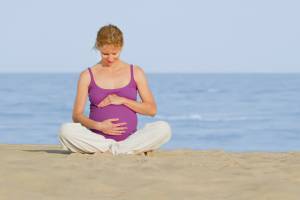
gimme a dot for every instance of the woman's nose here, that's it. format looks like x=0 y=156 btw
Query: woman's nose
x=110 y=58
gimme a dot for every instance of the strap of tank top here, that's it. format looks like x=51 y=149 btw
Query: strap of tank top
x=131 y=73
x=132 y=81
x=91 y=75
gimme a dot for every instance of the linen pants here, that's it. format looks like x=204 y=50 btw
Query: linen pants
x=77 y=138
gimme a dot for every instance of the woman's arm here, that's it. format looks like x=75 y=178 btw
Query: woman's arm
x=148 y=105
x=80 y=101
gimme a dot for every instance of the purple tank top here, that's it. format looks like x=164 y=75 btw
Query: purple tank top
x=122 y=112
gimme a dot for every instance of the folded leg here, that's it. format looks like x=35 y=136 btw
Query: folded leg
x=77 y=138
x=148 y=138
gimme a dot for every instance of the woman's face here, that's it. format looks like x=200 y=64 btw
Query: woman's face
x=110 y=54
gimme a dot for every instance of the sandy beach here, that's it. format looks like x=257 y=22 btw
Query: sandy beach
x=47 y=172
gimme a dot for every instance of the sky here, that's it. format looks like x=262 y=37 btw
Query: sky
x=161 y=36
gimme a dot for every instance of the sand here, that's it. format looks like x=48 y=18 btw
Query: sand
x=46 y=172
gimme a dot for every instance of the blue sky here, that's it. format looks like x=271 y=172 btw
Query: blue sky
x=160 y=36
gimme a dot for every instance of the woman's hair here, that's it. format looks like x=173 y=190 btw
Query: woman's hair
x=109 y=35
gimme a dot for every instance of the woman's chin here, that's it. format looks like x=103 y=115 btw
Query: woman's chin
x=109 y=63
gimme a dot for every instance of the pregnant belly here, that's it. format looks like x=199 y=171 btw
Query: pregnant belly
x=123 y=113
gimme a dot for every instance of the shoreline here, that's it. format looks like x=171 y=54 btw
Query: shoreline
x=34 y=171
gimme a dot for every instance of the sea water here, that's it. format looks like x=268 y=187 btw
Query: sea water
x=232 y=112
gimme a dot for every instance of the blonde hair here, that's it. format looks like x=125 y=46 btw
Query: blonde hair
x=109 y=35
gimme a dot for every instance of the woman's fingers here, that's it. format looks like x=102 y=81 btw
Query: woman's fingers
x=120 y=132
x=115 y=132
x=120 y=128
x=113 y=120
x=115 y=128
x=120 y=124
x=117 y=124
x=110 y=99
x=104 y=102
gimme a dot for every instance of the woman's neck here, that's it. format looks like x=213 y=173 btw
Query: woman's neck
x=115 y=66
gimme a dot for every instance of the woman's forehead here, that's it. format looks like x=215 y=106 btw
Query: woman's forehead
x=109 y=48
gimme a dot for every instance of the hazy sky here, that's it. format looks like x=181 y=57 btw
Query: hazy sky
x=160 y=35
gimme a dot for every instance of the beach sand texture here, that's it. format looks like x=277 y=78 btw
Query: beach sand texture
x=47 y=172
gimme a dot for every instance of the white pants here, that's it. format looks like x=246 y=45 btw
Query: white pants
x=77 y=138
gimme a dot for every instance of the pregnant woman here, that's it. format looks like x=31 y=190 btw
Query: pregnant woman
x=112 y=86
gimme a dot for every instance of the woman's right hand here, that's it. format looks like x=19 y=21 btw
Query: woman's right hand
x=110 y=128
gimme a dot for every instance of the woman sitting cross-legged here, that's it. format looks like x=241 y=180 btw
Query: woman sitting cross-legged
x=112 y=87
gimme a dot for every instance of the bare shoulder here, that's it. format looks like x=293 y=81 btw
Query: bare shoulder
x=139 y=73
x=84 y=77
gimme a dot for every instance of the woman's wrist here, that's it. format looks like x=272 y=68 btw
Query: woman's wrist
x=124 y=100
x=98 y=126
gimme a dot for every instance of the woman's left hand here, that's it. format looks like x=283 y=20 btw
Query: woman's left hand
x=111 y=99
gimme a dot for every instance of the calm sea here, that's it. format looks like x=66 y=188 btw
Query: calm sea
x=233 y=112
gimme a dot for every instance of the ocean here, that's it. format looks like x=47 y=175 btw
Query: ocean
x=230 y=112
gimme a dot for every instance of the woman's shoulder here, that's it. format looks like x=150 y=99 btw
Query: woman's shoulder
x=138 y=72
x=85 y=72
x=138 y=69
x=85 y=76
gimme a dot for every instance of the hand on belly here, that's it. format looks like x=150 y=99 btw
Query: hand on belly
x=108 y=127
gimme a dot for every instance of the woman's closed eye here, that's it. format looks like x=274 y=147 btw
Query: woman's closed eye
x=107 y=54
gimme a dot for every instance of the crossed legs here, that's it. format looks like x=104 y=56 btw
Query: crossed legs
x=77 y=138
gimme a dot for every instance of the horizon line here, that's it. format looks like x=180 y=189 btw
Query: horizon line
x=163 y=72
